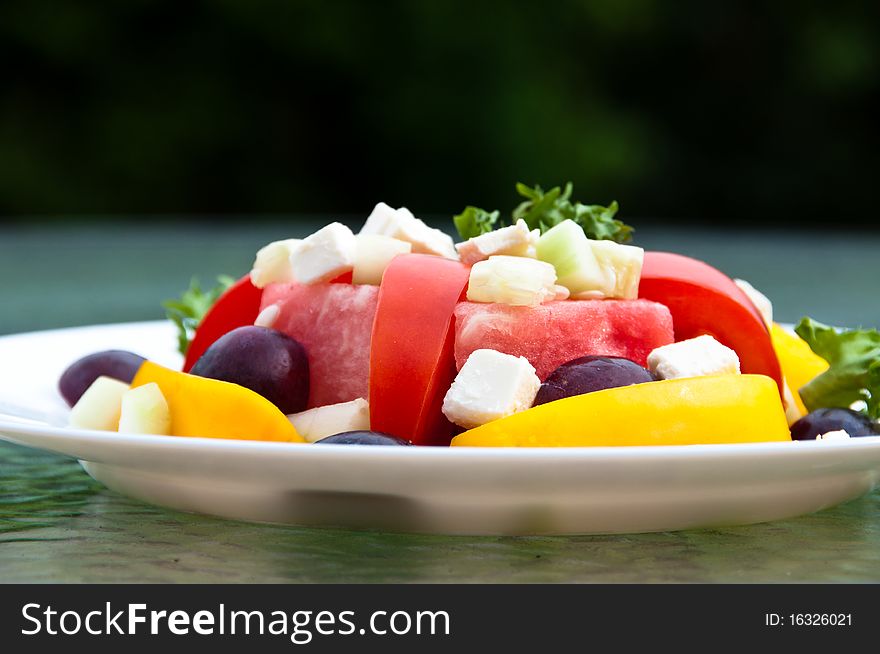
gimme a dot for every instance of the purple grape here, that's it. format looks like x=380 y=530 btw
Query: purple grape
x=79 y=375
x=363 y=438
x=588 y=374
x=264 y=360
x=822 y=421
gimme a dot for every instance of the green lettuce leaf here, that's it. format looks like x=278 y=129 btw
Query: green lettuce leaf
x=543 y=210
x=474 y=221
x=854 y=372
x=187 y=311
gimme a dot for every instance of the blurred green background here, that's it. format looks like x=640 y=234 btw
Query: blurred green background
x=719 y=113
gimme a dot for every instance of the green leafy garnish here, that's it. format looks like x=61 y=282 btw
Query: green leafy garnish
x=543 y=210
x=854 y=372
x=474 y=221
x=540 y=210
x=188 y=310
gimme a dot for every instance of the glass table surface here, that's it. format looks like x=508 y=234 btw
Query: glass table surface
x=57 y=525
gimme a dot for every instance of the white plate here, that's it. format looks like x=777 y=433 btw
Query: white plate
x=434 y=490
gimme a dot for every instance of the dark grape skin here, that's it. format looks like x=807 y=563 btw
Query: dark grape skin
x=822 y=421
x=588 y=374
x=79 y=375
x=362 y=438
x=264 y=360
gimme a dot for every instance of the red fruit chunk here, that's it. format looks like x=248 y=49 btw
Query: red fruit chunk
x=703 y=300
x=333 y=322
x=557 y=332
x=412 y=363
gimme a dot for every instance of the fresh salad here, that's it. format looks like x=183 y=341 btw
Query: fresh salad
x=540 y=327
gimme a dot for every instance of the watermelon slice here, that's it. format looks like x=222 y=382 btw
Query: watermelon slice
x=556 y=332
x=334 y=323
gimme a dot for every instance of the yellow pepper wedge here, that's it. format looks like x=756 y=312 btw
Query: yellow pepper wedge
x=716 y=409
x=798 y=362
x=209 y=408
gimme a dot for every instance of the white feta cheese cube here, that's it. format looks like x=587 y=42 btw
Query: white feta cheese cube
x=792 y=412
x=761 y=301
x=517 y=281
x=490 y=385
x=320 y=422
x=272 y=263
x=836 y=435
x=425 y=239
x=326 y=254
x=374 y=253
x=403 y=225
x=514 y=241
x=622 y=267
x=695 y=357
x=382 y=220
x=534 y=236
x=268 y=316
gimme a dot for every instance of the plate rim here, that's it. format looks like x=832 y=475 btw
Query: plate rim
x=29 y=429
x=521 y=490
x=707 y=450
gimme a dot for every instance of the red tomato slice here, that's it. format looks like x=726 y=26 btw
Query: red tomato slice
x=411 y=361
x=237 y=307
x=703 y=300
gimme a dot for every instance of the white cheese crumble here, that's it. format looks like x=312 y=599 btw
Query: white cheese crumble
x=403 y=225
x=515 y=240
x=622 y=267
x=374 y=253
x=490 y=385
x=836 y=435
x=272 y=263
x=695 y=357
x=268 y=316
x=517 y=281
x=761 y=301
x=326 y=254
x=792 y=413
x=320 y=422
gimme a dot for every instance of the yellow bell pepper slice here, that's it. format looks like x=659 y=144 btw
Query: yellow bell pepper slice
x=716 y=409
x=209 y=408
x=798 y=362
